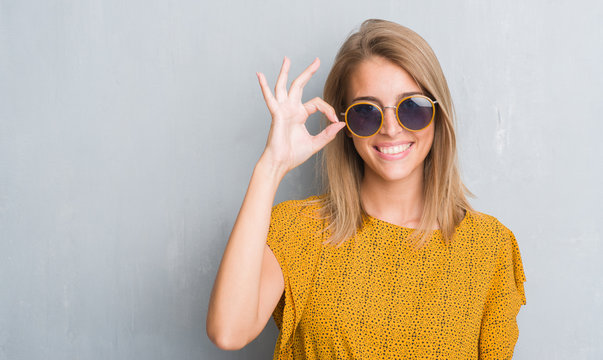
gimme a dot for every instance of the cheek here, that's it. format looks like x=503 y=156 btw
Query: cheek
x=427 y=138
x=362 y=148
x=361 y=145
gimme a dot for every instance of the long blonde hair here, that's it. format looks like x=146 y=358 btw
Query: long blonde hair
x=343 y=168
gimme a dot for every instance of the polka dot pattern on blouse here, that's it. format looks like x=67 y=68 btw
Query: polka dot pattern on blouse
x=376 y=297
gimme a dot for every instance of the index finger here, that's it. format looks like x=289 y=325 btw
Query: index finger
x=298 y=84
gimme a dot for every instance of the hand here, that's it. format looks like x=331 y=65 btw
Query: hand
x=289 y=144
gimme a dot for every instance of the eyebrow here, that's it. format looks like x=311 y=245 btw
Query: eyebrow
x=372 y=98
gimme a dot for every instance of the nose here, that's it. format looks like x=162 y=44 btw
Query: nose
x=391 y=126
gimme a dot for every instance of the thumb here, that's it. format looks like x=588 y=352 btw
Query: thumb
x=324 y=137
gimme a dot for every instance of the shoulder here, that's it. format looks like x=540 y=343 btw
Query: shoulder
x=305 y=208
x=499 y=242
x=486 y=224
x=301 y=217
x=296 y=227
x=490 y=232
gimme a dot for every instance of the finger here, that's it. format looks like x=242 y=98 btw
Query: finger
x=327 y=135
x=297 y=86
x=268 y=97
x=280 y=90
x=318 y=104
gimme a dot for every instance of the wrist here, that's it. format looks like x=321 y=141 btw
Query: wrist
x=271 y=169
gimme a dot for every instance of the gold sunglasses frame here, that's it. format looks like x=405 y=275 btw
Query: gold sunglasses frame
x=433 y=102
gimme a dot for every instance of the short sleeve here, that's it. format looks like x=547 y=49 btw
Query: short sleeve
x=277 y=241
x=293 y=238
x=499 y=331
x=276 y=233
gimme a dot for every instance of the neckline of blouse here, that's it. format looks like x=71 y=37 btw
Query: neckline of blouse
x=404 y=228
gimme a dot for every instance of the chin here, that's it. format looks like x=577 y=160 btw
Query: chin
x=391 y=175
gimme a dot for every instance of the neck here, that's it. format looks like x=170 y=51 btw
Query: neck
x=399 y=202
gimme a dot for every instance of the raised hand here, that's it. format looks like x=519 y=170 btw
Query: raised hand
x=289 y=144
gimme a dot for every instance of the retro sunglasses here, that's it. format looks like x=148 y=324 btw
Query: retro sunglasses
x=414 y=113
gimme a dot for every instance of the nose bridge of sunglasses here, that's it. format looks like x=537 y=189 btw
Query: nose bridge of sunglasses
x=389 y=120
x=392 y=114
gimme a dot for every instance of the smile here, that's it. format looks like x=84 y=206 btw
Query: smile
x=393 y=149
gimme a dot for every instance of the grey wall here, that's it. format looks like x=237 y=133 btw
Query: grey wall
x=129 y=129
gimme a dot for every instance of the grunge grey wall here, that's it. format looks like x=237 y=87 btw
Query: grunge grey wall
x=129 y=130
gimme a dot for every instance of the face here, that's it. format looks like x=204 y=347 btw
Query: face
x=385 y=154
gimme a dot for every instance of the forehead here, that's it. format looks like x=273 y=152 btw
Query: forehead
x=380 y=78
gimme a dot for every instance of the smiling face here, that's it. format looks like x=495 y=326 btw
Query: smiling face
x=394 y=153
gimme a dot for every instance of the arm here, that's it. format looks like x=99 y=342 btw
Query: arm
x=249 y=282
x=234 y=302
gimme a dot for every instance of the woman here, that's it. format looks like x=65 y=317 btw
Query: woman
x=391 y=261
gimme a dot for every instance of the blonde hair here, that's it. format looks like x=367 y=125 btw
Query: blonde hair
x=343 y=168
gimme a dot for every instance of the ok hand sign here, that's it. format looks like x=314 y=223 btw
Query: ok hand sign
x=289 y=144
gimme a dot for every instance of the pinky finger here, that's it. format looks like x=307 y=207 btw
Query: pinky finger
x=268 y=97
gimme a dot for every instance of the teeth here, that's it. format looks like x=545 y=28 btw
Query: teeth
x=394 y=149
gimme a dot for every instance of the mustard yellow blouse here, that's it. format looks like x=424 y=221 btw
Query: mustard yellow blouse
x=374 y=297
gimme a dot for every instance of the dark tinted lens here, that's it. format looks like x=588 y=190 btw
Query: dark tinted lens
x=415 y=113
x=364 y=119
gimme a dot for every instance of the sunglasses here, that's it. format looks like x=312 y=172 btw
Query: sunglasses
x=414 y=113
